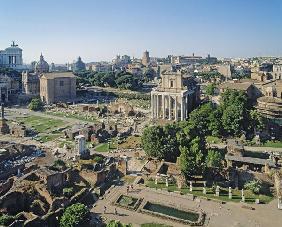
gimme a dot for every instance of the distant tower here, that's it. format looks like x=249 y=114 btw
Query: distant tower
x=41 y=66
x=52 y=67
x=146 y=58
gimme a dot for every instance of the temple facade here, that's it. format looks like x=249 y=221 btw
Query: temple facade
x=175 y=97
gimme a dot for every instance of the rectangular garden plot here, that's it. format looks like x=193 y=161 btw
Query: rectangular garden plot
x=184 y=216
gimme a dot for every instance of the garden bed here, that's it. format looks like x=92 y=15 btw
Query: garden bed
x=189 y=217
x=128 y=202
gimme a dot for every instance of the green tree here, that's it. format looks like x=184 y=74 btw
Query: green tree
x=127 y=81
x=214 y=159
x=256 y=120
x=199 y=120
x=232 y=119
x=149 y=74
x=192 y=158
x=151 y=141
x=210 y=89
x=75 y=215
x=161 y=142
x=215 y=124
x=36 y=104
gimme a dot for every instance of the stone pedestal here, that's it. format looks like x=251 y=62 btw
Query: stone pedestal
x=217 y=190
x=243 y=199
x=230 y=193
x=191 y=187
x=243 y=196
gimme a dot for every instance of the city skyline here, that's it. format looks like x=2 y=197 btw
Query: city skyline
x=97 y=30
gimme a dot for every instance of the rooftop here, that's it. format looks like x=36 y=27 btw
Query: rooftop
x=236 y=86
x=58 y=75
x=250 y=160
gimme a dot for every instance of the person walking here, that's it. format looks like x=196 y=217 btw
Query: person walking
x=105 y=209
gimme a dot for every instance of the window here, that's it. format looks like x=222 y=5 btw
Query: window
x=171 y=83
x=61 y=83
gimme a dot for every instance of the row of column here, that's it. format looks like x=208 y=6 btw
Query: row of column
x=170 y=103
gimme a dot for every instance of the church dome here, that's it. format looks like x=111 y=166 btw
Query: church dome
x=79 y=65
x=41 y=66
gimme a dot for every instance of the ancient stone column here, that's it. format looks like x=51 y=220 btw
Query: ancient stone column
x=191 y=187
x=156 y=180
x=217 y=190
x=157 y=105
x=243 y=196
x=169 y=107
x=166 y=182
x=175 y=117
x=163 y=105
x=152 y=106
x=229 y=193
x=204 y=190
x=182 y=109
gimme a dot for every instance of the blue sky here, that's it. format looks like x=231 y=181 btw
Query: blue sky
x=99 y=29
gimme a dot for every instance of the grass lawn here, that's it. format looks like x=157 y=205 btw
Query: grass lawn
x=69 y=143
x=131 y=142
x=277 y=144
x=41 y=124
x=154 y=225
x=104 y=147
x=128 y=179
x=213 y=139
x=73 y=116
x=47 y=138
x=198 y=191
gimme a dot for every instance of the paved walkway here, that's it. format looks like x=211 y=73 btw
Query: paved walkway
x=218 y=215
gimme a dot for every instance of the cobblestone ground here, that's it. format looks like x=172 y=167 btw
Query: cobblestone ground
x=218 y=215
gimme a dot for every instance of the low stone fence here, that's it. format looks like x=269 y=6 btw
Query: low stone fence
x=165 y=191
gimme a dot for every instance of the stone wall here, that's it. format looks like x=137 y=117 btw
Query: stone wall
x=5 y=186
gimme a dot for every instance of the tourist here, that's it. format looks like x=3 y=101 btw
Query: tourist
x=115 y=211
x=105 y=209
x=132 y=187
x=127 y=189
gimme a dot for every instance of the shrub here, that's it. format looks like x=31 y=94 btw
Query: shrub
x=6 y=219
x=36 y=104
x=255 y=186
x=75 y=215
x=68 y=192
x=114 y=223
